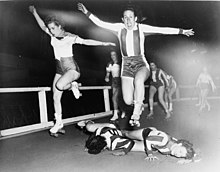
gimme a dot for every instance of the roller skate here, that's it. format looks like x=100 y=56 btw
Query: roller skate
x=150 y=115
x=83 y=123
x=115 y=116
x=75 y=89
x=138 y=108
x=58 y=127
x=168 y=115
x=123 y=114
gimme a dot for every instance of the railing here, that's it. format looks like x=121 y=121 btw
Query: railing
x=44 y=123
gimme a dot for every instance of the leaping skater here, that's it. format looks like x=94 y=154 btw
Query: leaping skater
x=135 y=68
x=67 y=70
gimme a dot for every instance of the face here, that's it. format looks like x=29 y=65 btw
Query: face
x=114 y=56
x=179 y=151
x=153 y=66
x=129 y=19
x=54 y=29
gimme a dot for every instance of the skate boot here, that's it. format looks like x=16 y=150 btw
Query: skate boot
x=115 y=116
x=75 y=89
x=168 y=115
x=83 y=123
x=138 y=108
x=123 y=114
x=58 y=127
x=150 y=115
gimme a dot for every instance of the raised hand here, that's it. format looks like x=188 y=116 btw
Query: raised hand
x=82 y=8
x=32 y=9
x=188 y=32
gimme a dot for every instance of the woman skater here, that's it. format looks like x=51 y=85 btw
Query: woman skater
x=67 y=70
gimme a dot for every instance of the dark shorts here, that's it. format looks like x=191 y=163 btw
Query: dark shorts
x=131 y=65
x=65 y=64
x=116 y=82
x=157 y=84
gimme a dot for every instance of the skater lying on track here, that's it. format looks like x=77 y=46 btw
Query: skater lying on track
x=107 y=136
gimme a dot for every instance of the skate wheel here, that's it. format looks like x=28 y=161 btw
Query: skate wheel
x=54 y=135
x=62 y=131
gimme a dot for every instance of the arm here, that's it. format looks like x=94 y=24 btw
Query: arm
x=110 y=26
x=212 y=83
x=40 y=22
x=108 y=71
x=96 y=43
x=167 y=30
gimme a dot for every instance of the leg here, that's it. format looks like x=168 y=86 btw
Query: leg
x=128 y=89
x=115 y=94
x=205 y=99
x=170 y=99
x=139 y=93
x=152 y=91
x=66 y=82
x=57 y=94
x=161 y=100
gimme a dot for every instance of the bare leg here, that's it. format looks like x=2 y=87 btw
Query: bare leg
x=152 y=92
x=139 y=94
x=161 y=100
x=115 y=94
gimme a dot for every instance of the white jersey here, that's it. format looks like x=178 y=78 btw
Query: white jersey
x=114 y=69
x=63 y=47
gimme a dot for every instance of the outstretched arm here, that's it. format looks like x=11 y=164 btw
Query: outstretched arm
x=115 y=27
x=96 y=43
x=40 y=22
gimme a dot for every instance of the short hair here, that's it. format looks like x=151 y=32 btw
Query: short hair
x=53 y=19
x=95 y=144
x=189 y=149
x=130 y=7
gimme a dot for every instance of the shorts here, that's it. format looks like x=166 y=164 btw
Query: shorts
x=204 y=86
x=131 y=65
x=157 y=84
x=65 y=64
x=116 y=82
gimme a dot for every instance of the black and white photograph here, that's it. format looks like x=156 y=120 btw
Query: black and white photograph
x=109 y=85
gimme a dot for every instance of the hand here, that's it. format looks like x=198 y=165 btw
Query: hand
x=108 y=44
x=32 y=9
x=121 y=153
x=106 y=79
x=188 y=32
x=151 y=158
x=82 y=8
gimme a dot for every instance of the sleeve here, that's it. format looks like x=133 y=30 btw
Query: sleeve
x=106 y=25
x=124 y=144
x=160 y=30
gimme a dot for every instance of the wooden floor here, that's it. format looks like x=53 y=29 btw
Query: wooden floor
x=38 y=152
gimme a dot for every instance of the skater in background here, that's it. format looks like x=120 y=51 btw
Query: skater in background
x=158 y=84
x=204 y=83
x=135 y=68
x=67 y=70
x=113 y=70
x=169 y=91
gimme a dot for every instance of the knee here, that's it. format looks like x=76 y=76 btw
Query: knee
x=128 y=101
x=59 y=86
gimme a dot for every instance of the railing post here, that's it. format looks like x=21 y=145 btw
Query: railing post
x=43 y=106
x=106 y=99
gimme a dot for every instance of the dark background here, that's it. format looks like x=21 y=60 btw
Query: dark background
x=26 y=56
